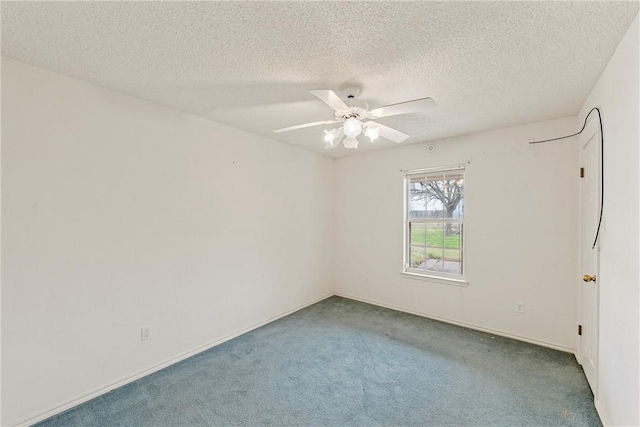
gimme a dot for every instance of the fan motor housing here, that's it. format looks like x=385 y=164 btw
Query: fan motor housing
x=355 y=111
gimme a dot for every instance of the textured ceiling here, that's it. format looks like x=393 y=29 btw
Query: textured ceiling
x=251 y=64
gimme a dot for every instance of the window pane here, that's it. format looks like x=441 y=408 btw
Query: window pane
x=455 y=208
x=418 y=234
x=434 y=259
x=445 y=193
x=418 y=256
x=434 y=206
x=417 y=199
x=435 y=234
x=453 y=261
x=453 y=235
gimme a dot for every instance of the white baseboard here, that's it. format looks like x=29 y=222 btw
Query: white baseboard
x=81 y=399
x=455 y=322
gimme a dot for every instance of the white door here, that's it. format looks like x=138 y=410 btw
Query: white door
x=589 y=256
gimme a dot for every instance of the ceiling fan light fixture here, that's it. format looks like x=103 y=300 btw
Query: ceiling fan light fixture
x=352 y=128
x=351 y=116
x=372 y=132
x=350 y=143
x=331 y=138
x=331 y=135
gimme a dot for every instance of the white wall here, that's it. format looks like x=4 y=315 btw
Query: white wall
x=521 y=207
x=118 y=214
x=617 y=93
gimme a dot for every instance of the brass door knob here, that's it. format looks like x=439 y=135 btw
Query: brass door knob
x=588 y=278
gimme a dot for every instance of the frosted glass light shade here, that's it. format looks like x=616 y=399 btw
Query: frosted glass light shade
x=350 y=143
x=352 y=127
x=330 y=135
x=372 y=132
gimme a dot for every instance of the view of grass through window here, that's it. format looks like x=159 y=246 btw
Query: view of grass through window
x=435 y=205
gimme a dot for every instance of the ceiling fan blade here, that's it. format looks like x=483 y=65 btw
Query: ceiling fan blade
x=415 y=106
x=306 y=125
x=330 y=98
x=390 y=133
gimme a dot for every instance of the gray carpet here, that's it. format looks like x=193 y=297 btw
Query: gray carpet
x=342 y=363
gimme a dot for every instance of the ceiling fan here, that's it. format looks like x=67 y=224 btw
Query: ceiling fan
x=357 y=119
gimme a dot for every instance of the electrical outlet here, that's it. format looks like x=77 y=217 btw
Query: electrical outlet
x=366 y=281
x=145 y=334
x=519 y=307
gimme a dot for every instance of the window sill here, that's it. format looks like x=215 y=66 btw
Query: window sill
x=439 y=279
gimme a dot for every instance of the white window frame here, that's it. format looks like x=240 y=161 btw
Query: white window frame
x=414 y=273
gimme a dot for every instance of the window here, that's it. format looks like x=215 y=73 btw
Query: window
x=434 y=222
